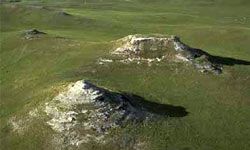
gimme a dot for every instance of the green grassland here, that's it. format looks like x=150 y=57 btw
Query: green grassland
x=33 y=71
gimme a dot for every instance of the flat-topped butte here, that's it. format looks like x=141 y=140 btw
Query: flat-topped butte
x=167 y=47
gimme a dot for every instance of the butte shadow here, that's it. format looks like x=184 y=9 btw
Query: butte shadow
x=153 y=107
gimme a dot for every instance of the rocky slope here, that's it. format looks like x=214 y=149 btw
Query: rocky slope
x=85 y=112
x=199 y=58
x=156 y=48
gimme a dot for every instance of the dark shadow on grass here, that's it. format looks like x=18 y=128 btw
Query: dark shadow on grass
x=219 y=59
x=153 y=107
x=228 y=61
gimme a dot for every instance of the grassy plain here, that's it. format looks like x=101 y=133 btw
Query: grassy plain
x=32 y=71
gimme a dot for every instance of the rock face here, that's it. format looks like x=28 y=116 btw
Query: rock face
x=199 y=58
x=85 y=112
x=141 y=47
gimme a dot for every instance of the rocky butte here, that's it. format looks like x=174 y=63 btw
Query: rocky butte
x=158 y=47
x=85 y=112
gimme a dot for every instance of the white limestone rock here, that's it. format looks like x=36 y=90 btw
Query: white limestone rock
x=134 y=48
x=138 y=43
x=85 y=112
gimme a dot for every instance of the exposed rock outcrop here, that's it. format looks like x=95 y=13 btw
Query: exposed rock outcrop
x=85 y=112
x=199 y=58
x=32 y=33
x=141 y=47
x=138 y=44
